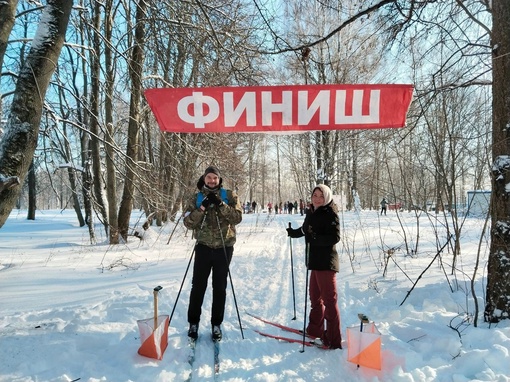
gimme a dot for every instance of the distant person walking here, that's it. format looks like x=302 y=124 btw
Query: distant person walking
x=384 y=206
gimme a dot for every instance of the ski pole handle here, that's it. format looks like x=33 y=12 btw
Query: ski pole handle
x=290 y=225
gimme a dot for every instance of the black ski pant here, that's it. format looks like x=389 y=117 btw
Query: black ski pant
x=207 y=259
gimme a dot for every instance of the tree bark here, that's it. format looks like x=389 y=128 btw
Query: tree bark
x=7 y=15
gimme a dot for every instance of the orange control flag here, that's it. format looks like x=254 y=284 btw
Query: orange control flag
x=364 y=345
x=154 y=332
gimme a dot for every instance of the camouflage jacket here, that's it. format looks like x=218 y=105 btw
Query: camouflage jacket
x=206 y=224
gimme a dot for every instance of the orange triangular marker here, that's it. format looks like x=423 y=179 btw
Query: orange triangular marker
x=364 y=348
x=154 y=342
x=370 y=356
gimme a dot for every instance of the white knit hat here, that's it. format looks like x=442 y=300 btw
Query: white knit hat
x=326 y=192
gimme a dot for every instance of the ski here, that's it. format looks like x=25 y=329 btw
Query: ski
x=191 y=356
x=192 y=346
x=291 y=340
x=283 y=327
x=216 y=359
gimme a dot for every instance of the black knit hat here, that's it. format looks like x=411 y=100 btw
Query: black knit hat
x=212 y=169
x=209 y=170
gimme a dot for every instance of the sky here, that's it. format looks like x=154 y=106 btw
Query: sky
x=69 y=310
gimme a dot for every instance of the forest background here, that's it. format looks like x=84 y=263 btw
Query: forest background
x=77 y=132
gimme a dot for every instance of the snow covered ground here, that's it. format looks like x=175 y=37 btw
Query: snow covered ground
x=69 y=310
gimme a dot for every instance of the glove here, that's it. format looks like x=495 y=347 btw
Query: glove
x=310 y=235
x=214 y=199
x=294 y=233
x=206 y=202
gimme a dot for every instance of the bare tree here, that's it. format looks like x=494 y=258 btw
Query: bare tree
x=110 y=145
x=20 y=140
x=135 y=74
x=94 y=143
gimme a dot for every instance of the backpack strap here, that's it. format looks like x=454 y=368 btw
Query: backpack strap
x=223 y=195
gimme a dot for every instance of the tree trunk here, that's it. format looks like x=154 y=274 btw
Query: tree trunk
x=7 y=15
x=20 y=139
x=498 y=282
x=71 y=173
x=82 y=119
x=354 y=171
x=87 y=200
x=111 y=171
x=319 y=157
x=135 y=73
x=32 y=192
x=94 y=144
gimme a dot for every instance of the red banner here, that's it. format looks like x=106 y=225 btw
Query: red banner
x=294 y=108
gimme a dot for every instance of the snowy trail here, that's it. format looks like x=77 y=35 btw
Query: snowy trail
x=266 y=274
x=68 y=310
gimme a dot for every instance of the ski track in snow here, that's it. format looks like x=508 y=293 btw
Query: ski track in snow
x=69 y=310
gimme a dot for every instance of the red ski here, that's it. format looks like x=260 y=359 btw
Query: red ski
x=283 y=327
x=292 y=340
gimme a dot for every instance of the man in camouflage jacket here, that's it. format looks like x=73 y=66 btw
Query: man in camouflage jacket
x=212 y=214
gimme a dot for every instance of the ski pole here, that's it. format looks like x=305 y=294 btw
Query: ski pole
x=306 y=297
x=176 y=224
x=182 y=283
x=230 y=276
x=186 y=272
x=292 y=273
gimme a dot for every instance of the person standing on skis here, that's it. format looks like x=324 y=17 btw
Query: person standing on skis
x=321 y=230
x=212 y=213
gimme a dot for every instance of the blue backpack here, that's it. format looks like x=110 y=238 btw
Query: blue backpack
x=223 y=194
